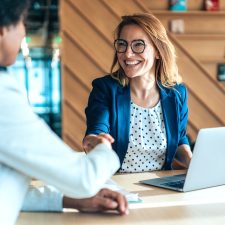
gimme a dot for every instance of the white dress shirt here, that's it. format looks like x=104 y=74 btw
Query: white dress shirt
x=28 y=148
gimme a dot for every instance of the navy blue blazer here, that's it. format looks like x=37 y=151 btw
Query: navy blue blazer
x=108 y=111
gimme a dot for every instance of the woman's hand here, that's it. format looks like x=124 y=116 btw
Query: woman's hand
x=182 y=158
x=104 y=200
x=91 y=140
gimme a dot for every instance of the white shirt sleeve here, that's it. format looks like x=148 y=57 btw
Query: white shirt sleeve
x=44 y=198
x=30 y=147
x=13 y=188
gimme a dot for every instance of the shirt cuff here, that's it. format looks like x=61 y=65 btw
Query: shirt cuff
x=44 y=198
x=103 y=151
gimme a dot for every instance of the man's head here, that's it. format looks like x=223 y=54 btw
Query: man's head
x=12 y=30
x=12 y=11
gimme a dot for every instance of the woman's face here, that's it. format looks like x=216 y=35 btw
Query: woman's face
x=137 y=64
x=10 y=41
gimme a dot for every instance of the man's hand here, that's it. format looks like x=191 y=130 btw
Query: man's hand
x=104 y=200
x=90 y=141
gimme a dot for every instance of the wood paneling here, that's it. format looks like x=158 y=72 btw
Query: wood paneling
x=87 y=28
x=75 y=92
x=83 y=33
x=73 y=125
x=78 y=63
x=204 y=46
x=195 y=22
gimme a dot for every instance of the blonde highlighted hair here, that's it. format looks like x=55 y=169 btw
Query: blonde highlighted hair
x=166 y=68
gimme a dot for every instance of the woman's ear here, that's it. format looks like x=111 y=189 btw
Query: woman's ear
x=1 y=31
x=157 y=54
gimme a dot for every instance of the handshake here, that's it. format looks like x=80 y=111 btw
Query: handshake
x=91 y=140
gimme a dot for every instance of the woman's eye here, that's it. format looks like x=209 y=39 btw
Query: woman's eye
x=138 y=44
x=121 y=44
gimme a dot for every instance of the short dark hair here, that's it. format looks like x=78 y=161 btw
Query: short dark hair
x=11 y=11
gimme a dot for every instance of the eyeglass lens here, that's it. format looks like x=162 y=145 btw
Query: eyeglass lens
x=137 y=46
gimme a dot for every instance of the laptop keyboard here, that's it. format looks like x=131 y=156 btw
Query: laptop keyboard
x=176 y=184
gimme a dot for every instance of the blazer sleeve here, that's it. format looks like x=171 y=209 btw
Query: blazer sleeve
x=98 y=108
x=183 y=116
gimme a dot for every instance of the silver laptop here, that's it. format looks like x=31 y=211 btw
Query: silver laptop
x=207 y=167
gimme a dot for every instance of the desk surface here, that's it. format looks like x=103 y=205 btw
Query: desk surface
x=159 y=206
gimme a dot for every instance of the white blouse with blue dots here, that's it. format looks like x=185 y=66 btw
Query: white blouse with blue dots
x=147 y=141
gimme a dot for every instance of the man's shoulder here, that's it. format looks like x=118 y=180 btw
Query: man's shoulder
x=7 y=82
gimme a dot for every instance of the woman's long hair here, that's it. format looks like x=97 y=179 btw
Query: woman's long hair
x=166 y=68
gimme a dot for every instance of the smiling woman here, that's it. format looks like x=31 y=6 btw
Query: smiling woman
x=142 y=104
x=139 y=63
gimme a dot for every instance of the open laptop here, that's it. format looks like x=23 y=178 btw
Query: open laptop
x=207 y=167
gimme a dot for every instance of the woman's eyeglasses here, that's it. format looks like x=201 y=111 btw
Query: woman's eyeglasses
x=137 y=46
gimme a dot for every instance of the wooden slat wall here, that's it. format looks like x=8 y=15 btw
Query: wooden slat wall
x=87 y=32
x=209 y=50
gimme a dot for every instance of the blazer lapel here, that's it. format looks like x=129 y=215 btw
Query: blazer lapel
x=123 y=126
x=169 y=109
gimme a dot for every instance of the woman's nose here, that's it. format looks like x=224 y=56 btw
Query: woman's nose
x=129 y=51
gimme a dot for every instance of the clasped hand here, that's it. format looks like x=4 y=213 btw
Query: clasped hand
x=91 y=140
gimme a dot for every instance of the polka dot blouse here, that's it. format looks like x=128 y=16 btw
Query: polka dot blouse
x=147 y=141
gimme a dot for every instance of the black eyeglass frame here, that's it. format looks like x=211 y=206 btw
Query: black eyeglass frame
x=119 y=39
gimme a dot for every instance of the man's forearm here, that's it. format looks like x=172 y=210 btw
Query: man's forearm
x=70 y=203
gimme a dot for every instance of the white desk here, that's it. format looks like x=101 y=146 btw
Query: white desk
x=159 y=206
